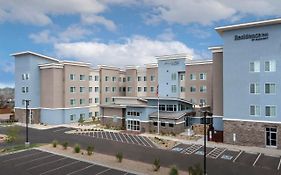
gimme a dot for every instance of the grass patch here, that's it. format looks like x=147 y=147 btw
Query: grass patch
x=18 y=148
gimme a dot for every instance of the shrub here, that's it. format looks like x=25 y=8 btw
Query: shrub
x=119 y=156
x=174 y=171
x=77 y=148
x=13 y=134
x=156 y=164
x=64 y=145
x=195 y=170
x=81 y=120
x=55 y=143
x=90 y=150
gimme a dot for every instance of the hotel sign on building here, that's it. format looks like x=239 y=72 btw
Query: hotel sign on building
x=252 y=37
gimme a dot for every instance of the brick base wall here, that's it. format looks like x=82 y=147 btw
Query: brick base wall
x=20 y=114
x=249 y=133
x=179 y=128
x=112 y=122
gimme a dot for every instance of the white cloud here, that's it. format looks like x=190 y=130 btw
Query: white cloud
x=94 y=19
x=4 y=85
x=198 y=32
x=206 y=12
x=137 y=50
x=72 y=33
x=7 y=67
x=167 y=35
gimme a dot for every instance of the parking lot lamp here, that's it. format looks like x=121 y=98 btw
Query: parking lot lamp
x=26 y=121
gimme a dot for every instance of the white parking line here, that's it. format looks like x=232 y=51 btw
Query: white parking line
x=136 y=140
x=34 y=160
x=221 y=153
x=115 y=136
x=141 y=140
x=120 y=137
x=212 y=151
x=256 y=159
x=59 y=167
x=279 y=164
x=22 y=157
x=237 y=156
x=45 y=163
x=103 y=171
x=125 y=138
x=130 y=139
x=80 y=170
x=110 y=135
x=147 y=141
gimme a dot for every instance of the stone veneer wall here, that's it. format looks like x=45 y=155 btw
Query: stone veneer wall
x=248 y=133
x=112 y=123
x=21 y=115
x=179 y=128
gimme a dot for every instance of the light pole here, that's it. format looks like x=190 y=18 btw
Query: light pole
x=26 y=121
x=205 y=140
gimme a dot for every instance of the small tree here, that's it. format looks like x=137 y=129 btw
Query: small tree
x=174 y=171
x=64 y=145
x=156 y=164
x=81 y=120
x=119 y=157
x=195 y=170
x=77 y=148
x=90 y=150
x=55 y=142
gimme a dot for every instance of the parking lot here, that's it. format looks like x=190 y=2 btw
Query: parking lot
x=37 y=162
x=121 y=137
x=242 y=157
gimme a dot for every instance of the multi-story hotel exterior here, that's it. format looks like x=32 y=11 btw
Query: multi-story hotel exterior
x=250 y=65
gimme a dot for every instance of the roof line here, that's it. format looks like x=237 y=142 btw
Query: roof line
x=36 y=54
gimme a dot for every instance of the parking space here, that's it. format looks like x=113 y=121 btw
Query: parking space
x=37 y=162
x=265 y=161
x=229 y=155
x=121 y=137
x=247 y=158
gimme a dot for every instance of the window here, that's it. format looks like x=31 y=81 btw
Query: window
x=72 y=117
x=90 y=89
x=254 y=110
x=96 y=78
x=113 y=89
x=82 y=89
x=90 y=100
x=106 y=78
x=174 y=76
x=139 y=78
x=72 y=102
x=96 y=89
x=124 y=79
x=72 y=77
x=107 y=89
x=72 y=89
x=144 y=89
x=133 y=113
x=203 y=88
x=174 y=88
x=271 y=136
x=203 y=101
x=133 y=125
x=270 y=111
x=24 y=89
x=163 y=124
x=113 y=79
x=255 y=66
x=139 y=89
x=155 y=123
x=106 y=100
x=82 y=77
x=90 y=114
x=144 y=78
x=192 y=76
x=129 y=79
x=193 y=101
x=254 y=88
x=113 y=99
x=124 y=89
x=192 y=89
x=82 y=101
x=270 y=66
x=182 y=89
x=96 y=100
x=181 y=77
x=82 y=116
x=171 y=125
x=96 y=114
x=25 y=76
x=171 y=107
x=152 y=78
x=90 y=78
x=270 y=88
x=151 y=89
x=203 y=76
x=129 y=89
x=162 y=107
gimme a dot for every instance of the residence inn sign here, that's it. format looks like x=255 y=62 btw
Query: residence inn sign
x=253 y=37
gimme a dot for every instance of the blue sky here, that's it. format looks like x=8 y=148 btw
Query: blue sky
x=119 y=32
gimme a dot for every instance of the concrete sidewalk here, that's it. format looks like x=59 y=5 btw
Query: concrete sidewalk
x=252 y=149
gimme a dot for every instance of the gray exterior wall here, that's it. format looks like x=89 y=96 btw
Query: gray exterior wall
x=237 y=56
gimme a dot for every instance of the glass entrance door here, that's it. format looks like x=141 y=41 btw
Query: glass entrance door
x=271 y=137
